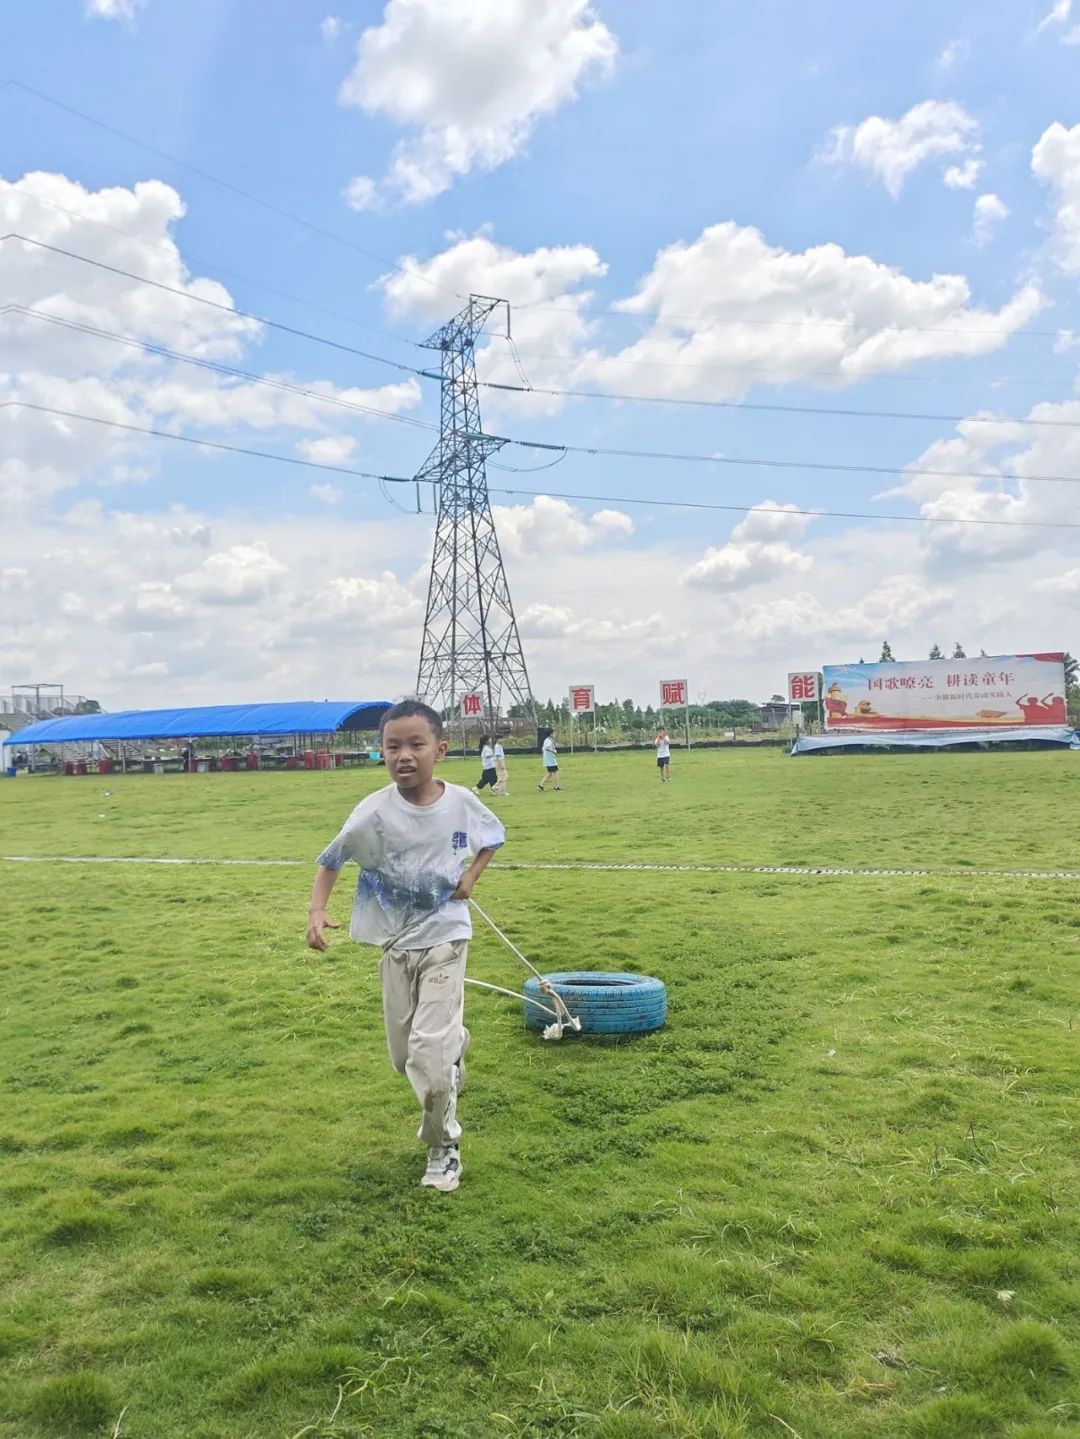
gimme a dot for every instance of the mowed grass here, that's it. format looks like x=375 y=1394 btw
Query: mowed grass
x=835 y=1196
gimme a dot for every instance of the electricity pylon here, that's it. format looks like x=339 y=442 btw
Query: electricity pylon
x=471 y=643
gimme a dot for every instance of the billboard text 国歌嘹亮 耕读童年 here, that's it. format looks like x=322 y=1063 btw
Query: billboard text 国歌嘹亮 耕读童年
x=983 y=693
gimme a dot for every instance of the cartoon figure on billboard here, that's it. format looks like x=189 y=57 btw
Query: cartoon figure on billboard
x=1048 y=710
x=836 y=702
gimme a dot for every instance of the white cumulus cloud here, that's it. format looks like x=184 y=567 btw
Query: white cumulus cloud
x=329 y=450
x=757 y=550
x=717 y=315
x=962 y=177
x=1056 y=160
x=113 y=9
x=989 y=212
x=554 y=527
x=891 y=149
x=469 y=79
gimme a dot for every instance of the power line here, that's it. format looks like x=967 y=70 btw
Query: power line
x=772 y=408
x=788 y=324
x=270 y=205
x=597 y=499
x=170 y=247
x=208 y=444
x=395 y=265
x=772 y=510
x=230 y=310
x=531 y=389
x=784 y=464
x=796 y=374
x=218 y=368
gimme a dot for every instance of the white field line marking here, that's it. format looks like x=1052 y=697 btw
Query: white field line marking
x=792 y=869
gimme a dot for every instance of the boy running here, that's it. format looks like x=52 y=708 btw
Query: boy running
x=551 y=763
x=411 y=841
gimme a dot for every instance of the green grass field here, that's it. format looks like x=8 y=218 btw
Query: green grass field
x=836 y=1196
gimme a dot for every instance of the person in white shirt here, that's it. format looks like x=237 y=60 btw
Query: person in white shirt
x=421 y=845
x=550 y=756
x=488 y=773
x=502 y=773
x=663 y=754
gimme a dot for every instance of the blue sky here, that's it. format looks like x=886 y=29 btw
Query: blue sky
x=783 y=167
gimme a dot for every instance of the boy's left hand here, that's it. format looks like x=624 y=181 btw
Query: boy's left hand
x=465 y=887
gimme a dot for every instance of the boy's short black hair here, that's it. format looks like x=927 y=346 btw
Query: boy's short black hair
x=407 y=709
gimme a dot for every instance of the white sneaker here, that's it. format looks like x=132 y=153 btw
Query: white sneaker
x=443 y=1170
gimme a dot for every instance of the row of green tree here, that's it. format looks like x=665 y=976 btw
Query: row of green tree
x=625 y=720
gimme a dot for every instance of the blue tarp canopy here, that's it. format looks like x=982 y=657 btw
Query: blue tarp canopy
x=204 y=721
x=937 y=738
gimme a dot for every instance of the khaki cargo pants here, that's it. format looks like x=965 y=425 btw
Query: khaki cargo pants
x=423 y=1006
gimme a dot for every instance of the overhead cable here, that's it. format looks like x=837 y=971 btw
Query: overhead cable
x=274 y=208
x=526 y=388
x=756 y=405
x=201 y=363
x=170 y=247
x=757 y=463
x=597 y=499
x=270 y=205
x=217 y=305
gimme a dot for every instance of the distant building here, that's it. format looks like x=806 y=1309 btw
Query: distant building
x=775 y=714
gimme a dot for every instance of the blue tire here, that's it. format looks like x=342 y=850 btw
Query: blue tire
x=605 y=1003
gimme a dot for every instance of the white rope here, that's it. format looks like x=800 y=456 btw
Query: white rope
x=563 y=1016
x=810 y=870
x=513 y=993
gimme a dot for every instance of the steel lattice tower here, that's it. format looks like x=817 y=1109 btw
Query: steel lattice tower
x=471 y=642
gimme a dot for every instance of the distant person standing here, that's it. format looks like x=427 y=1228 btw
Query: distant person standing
x=503 y=782
x=550 y=755
x=663 y=754
x=488 y=773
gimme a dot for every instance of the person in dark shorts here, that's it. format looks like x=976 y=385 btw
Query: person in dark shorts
x=489 y=775
x=663 y=754
x=551 y=763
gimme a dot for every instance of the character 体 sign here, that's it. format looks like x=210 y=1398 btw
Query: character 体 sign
x=472 y=706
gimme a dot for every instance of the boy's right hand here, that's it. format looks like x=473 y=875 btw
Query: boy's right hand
x=318 y=920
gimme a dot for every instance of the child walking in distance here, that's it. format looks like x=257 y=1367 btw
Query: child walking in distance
x=488 y=773
x=663 y=754
x=503 y=774
x=551 y=763
x=413 y=841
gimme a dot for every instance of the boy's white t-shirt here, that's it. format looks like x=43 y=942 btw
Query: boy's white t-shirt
x=663 y=748
x=500 y=753
x=411 y=857
x=487 y=757
x=551 y=758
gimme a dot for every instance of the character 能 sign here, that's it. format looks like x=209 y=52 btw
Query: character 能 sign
x=990 y=692
x=804 y=687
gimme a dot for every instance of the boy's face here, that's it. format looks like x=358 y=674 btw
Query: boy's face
x=411 y=751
